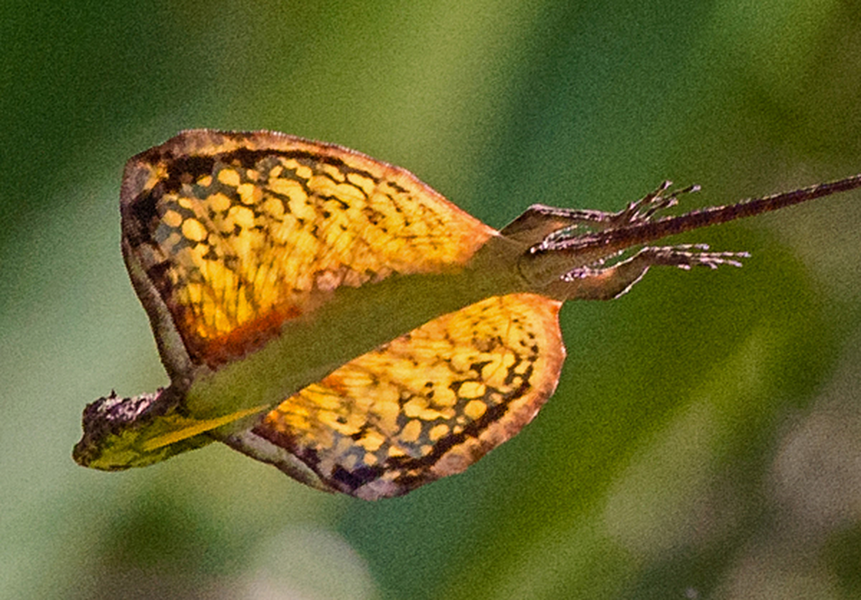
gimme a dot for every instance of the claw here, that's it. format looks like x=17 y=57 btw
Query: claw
x=638 y=212
x=646 y=207
x=691 y=255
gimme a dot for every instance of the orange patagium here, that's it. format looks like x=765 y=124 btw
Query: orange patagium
x=332 y=315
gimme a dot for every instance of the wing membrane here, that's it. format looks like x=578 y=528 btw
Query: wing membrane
x=424 y=406
x=235 y=233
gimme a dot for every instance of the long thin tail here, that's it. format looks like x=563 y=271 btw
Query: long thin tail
x=554 y=259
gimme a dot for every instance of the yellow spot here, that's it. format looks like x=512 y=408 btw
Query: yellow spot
x=219 y=202
x=411 y=431
x=437 y=432
x=274 y=208
x=249 y=193
x=229 y=177
x=471 y=389
x=205 y=181
x=444 y=397
x=287 y=187
x=371 y=441
x=242 y=216
x=193 y=230
x=414 y=408
x=394 y=451
x=172 y=218
x=474 y=409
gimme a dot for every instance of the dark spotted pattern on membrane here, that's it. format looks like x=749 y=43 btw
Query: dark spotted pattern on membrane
x=237 y=240
x=428 y=404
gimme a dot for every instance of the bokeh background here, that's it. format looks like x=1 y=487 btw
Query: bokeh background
x=705 y=439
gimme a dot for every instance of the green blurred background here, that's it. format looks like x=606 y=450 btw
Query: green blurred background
x=705 y=439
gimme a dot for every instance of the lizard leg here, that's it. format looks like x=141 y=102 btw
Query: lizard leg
x=606 y=283
x=548 y=224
